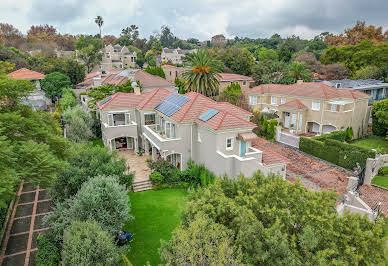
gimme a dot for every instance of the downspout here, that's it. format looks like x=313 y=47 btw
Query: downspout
x=322 y=114
x=191 y=142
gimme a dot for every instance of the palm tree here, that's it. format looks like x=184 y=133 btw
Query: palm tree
x=298 y=70
x=99 y=21
x=202 y=78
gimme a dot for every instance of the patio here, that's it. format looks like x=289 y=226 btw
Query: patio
x=136 y=164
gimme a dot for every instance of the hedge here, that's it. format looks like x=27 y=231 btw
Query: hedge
x=379 y=115
x=336 y=152
x=337 y=135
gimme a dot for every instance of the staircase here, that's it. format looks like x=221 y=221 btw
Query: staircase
x=142 y=185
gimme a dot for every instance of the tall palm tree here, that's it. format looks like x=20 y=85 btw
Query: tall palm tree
x=202 y=78
x=99 y=21
x=298 y=70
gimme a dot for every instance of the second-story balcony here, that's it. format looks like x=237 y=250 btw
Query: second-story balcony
x=160 y=140
x=119 y=129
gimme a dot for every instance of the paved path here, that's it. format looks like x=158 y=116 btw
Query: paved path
x=19 y=246
x=136 y=164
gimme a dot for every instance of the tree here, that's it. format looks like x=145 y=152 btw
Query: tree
x=78 y=125
x=297 y=71
x=239 y=61
x=368 y=72
x=310 y=61
x=157 y=71
x=263 y=54
x=380 y=118
x=167 y=38
x=54 y=83
x=269 y=71
x=86 y=41
x=336 y=71
x=203 y=76
x=68 y=99
x=85 y=243
x=90 y=56
x=231 y=93
x=71 y=68
x=12 y=91
x=203 y=242
x=9 y=35
x=128 y=35
x=13 y=57
x=99 y=21
x=109 y=39
x=86 y=161
x=269 y=226
x=157 y=47
x=290 y=46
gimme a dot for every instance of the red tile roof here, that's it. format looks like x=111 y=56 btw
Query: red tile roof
x=25 y=73
x=294 y=104
x=233 y=77
x=269 y=156
x=92 y=75
x=149 y=80
x=307 y=89
x=229 y=116
x=372 y=195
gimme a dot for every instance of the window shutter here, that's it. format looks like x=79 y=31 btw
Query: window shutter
x=127 y=118
x=110 y=120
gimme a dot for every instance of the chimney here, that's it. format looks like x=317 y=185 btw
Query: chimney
x=96 y=81
x=136 y=90
x=300 y=81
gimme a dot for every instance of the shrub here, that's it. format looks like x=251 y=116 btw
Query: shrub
x=156 y=178
x=383 y=170
x=54 y=83
x=162 y=166
x=271 y=128
x=380 y=118
x=349 y=134
x=78 y=125
x=68 y=99
x=337 y=135
x=85 y=243
x=48 y=252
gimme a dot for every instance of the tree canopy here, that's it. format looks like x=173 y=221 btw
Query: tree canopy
x=54 y=83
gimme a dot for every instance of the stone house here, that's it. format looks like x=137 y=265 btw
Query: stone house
x=174 y=56
x=218 y=39
x=226 y=79
x=312 y=107
x=179 y=127
x=172 y=72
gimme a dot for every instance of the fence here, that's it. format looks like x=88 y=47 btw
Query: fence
x=287 y=138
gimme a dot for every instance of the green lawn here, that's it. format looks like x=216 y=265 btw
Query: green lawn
x=372 y=142
x=381 y=181
x=157 y=214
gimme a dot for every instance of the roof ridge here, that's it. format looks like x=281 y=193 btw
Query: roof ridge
x=324 y=91
x=141 y=105
x=222 y=119
x=189 y=106
x=229 y=113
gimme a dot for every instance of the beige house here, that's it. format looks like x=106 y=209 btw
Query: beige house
x=218 y=39
x=312 y=107
x=179 y=127
x=172 y=72
x=226 y=79
x=116 y=57
x=174 y=56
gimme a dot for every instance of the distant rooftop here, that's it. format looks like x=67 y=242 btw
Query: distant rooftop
x=360 y=84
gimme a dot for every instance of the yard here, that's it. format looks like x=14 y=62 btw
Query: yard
x=381 y=181
x=157 y=214
x=373 y=142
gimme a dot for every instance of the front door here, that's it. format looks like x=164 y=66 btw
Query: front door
x=243 y=148
x=286 y=119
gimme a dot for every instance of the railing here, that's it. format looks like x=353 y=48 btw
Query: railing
x=162 y=138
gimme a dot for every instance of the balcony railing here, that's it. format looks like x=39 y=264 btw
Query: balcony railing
x=157 y=134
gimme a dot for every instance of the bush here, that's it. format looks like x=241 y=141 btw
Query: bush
x=380 y=118
x=162 y=166
x=68 y=99
x=337 y=135
x=54 y=83
x=336 y=152
x=156 y=178
x=349 y=134
x=48 y=252
x=78 y=125
x=85 y=243
x=383 y=170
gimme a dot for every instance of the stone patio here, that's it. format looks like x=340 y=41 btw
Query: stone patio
x=137 y=164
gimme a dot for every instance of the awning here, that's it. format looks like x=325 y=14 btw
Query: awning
x=247 y=136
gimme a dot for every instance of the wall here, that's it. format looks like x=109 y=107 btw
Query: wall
x=373 y=165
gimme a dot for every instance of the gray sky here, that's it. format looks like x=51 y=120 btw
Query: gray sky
x=200 y=19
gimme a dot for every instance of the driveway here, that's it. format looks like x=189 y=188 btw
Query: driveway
x=136 y=164
x=313 y=172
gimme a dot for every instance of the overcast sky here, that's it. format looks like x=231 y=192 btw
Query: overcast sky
x=200 y=18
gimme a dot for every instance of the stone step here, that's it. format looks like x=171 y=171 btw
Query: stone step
x=142 y=182
x=142 y=188
x=142 y=185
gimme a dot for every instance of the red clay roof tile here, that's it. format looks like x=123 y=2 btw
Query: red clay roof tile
x=25 y=73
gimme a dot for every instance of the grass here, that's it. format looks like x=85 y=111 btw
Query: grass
x=373 y=142
x=97 y=142
x=157 y=213
x=381 y=181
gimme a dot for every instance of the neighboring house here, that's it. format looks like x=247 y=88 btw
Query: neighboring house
x=179 y=127
x=378 y=90
x=147 y=81
x=37 y=98
x=218 y=39
x=312 y=107
x=116 y=57
x=65 y=54
x=173 y=72
x=227 y=78
x=174 y=56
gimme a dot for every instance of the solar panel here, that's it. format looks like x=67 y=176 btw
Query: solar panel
x=208 y=114
x=172 y=104
x=106 y=100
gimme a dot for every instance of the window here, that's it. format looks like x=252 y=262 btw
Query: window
x=229 y=144
x=244 y=82
x=170 y=73
x=252 y=100
x=333 y=108
x=100 y=66
x=110 y=120
x=316 y=106
x=338 y=85
x=199 y=137
x=282 y=100
x=293 y=121
x=127 y=118
x=170 y=130
x=149 y=118
x=274 y=100
x=300 y=121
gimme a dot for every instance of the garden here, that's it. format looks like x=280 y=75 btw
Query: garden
x=380 y=144
x=381 y=179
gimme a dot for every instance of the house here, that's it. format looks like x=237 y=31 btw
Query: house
x=116 y=76
x=173 y=72
x=218 y=39
x=37 y=98
x=312 y=107
x=174 y=56
x=178 y=127
x=116 y=57
x=378 y=90
x=226 y=79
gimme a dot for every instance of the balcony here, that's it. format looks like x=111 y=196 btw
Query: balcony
x=159 y=140
x=119 y=130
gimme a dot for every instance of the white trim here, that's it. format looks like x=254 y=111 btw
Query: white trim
x=151 y=141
